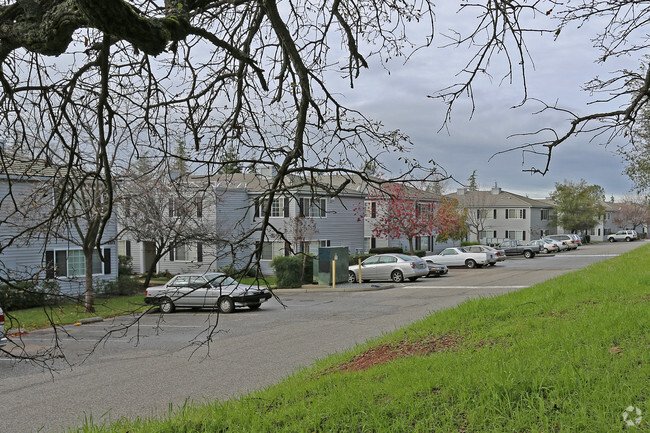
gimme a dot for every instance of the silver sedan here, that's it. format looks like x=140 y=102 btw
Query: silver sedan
x=212 y=290
x=394 y=267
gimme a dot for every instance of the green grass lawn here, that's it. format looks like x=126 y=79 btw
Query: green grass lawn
x=70 y=313
x=568 y=355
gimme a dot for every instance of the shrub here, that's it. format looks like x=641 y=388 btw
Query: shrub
x=419 y=253
x=124 y=265
x=468 y=243
x=354 y=260
x=288 y=271
x=231 y=271
x=164 y=274
x=123 y=286
x=28 y=295
x=384 y=250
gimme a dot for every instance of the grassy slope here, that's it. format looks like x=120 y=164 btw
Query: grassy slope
x=568 y=355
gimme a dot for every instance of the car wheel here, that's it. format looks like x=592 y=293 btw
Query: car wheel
x=226 y=305
x=627 y=239
x=470 y=263
x=529 y=254
x=413 y=278
x=397 y=276
x=493 y=264
x=351 y=277
x=167 y=306
x=255 y=306
x=611 y=239
x=545 y=251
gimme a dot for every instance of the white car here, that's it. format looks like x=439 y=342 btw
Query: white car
x=211 y=290
x=561 y=245
x=623 y=235
x=545 y=246
x=571 y=243
x=3 y=337
x=500 y=255
x=395 y=267
x=458 y=256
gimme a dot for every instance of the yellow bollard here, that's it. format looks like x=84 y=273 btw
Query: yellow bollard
x=360 y=279
x=334 y=274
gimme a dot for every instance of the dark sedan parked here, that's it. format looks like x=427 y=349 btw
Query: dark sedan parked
x=436 y=270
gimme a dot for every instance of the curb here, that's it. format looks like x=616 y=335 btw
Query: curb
x=347 y=288
x=91 y=320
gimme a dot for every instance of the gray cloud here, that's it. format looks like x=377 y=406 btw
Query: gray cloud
x=400 y=100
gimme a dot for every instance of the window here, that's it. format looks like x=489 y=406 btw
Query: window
x=424 y=209
x=124 y=248
x=485 y=213
x=271 y=250
x=517 y=235
x=313 y=207
x=180 y=253
x=325 y=243
x=516 y=214
x=187 y=253
x=371 y=209
x=72 y=263
x=546 y=214
x=279 y=208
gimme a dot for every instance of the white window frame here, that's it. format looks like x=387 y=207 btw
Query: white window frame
x=73 y=272
x=546 y=214
x=277 y=208
x=517 y=235
x=487 y=214
x=271 y=250
x=515 y=214
x=312 y=210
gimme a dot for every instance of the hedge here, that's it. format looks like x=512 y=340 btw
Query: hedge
x=289 y=272
x=385 y=250
x=28 y=295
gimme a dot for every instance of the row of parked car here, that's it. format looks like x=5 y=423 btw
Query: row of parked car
x=399 y=267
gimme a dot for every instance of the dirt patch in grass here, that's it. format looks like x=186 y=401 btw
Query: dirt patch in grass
x=387 y=352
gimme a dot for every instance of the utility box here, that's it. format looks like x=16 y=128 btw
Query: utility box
x=323 y=265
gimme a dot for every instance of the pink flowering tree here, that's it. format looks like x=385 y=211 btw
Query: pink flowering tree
x=404 y=214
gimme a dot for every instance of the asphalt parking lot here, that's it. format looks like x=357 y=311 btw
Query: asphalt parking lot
x=200 y=356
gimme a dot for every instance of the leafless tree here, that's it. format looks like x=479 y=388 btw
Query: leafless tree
x=98 y=84
x=165 y=211
x=302 y=230
x=634 y=211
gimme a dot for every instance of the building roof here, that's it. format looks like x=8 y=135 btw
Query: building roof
x=258 y=183
x=496 y=197
x=24 y=168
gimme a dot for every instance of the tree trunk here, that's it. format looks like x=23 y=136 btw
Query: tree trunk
x=150 y=271
x=90 y=293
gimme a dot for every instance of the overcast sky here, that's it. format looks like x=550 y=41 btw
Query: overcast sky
x=400 y=100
